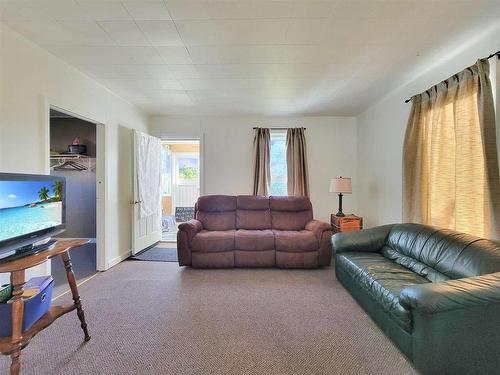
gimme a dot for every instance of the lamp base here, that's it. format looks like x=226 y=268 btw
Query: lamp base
x=340 y=213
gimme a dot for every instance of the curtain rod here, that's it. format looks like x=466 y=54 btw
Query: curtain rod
x=497 y=53
x=255 y=127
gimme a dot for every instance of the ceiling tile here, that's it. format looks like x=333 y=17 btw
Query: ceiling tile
x=237 y=54
x=25 y=10
x=184 y=71
x=215 y=83
x=373 y=9
x=125 y=33
x=238 y=32
x=219 y=9
x=112 y=55
x=40 y=31
x=308 y=31
x=174 y=55
x=49 y=32
x=131 y=83
x=160 y=33
x=65 y=10
x=119 y=71
x=188 y=9
x=147 y=10
x=104 y=10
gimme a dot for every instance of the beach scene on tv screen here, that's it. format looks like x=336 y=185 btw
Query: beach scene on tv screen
x=29 y=206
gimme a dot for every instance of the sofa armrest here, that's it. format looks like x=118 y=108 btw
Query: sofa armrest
x=455 y=325
x=318 y=227
x=323 y=232
x=452 y=295
x=368 y=240
x=191 y=227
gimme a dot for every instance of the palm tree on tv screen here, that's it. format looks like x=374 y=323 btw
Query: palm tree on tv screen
x=43 y=194
x=57 y=188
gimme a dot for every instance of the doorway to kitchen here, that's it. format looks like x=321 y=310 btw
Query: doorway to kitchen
x=181 y=172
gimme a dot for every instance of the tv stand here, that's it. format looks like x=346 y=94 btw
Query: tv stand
x=19 y=340
x=29 y=250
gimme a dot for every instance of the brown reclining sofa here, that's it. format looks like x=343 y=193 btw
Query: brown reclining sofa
x=254 y=231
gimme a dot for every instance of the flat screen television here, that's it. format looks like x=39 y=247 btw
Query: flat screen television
x=32 y=209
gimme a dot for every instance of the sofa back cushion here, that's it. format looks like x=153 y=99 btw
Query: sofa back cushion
x=252 y=212
x=290 y=213
x=441 y=254
x=216 y=212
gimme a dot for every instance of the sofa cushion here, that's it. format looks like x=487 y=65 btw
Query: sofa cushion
x=216 y=212
x=441 y=254
x=252 y=202
x=383 y=280
x=290 y=203
x=217 y=220
x=295 y=241
x=253 y=212
x=290 y=213
x=216 y=203
x=253 y=219
x=213 y=241
x=258 y=240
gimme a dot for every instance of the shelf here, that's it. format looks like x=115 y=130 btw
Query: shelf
x=52 y=315
x=39 y=258
x=69 y=156
x=72 y=162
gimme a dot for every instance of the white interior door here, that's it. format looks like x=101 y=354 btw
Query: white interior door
x=146 y=219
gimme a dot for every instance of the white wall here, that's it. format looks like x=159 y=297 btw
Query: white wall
x=381 y=130
x=31 y=79
x=228 y=154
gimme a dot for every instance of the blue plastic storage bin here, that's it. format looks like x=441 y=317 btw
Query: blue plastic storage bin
x=34 y=308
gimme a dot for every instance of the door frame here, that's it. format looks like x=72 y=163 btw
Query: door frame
x=100 y=169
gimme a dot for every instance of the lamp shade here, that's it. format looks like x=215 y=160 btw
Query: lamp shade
x=341 y=185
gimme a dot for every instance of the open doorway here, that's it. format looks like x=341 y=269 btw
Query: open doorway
x=73 y=154
x=181 y=171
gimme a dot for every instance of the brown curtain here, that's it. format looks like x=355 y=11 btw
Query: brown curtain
x=450 y=160
x=296 y=162
x=262 y=164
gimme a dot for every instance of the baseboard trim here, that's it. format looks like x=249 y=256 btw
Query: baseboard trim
x=120 y=258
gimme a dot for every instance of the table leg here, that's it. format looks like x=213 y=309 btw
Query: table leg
x=17 y=280
x=74 y=291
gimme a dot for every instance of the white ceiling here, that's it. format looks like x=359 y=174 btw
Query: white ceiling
x=265 y=57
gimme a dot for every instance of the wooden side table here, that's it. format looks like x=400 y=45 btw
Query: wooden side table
x=347 y=223
x=19 y=340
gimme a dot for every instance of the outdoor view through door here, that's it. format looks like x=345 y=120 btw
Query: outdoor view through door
x=180 y=184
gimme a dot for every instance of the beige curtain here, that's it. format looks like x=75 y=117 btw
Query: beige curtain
x=262 y=164
x=296 y=162
x=450 y=160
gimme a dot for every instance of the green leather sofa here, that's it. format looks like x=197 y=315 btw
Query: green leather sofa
x=434 y=292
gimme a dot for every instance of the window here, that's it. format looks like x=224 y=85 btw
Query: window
x=187 y=166
x=278 y=163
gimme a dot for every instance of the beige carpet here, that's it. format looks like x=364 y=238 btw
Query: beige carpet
x=155 y=318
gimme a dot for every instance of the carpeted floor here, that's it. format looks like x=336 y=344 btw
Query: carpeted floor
x=157 y=318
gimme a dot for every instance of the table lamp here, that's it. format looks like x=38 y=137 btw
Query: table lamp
x=341 y=185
